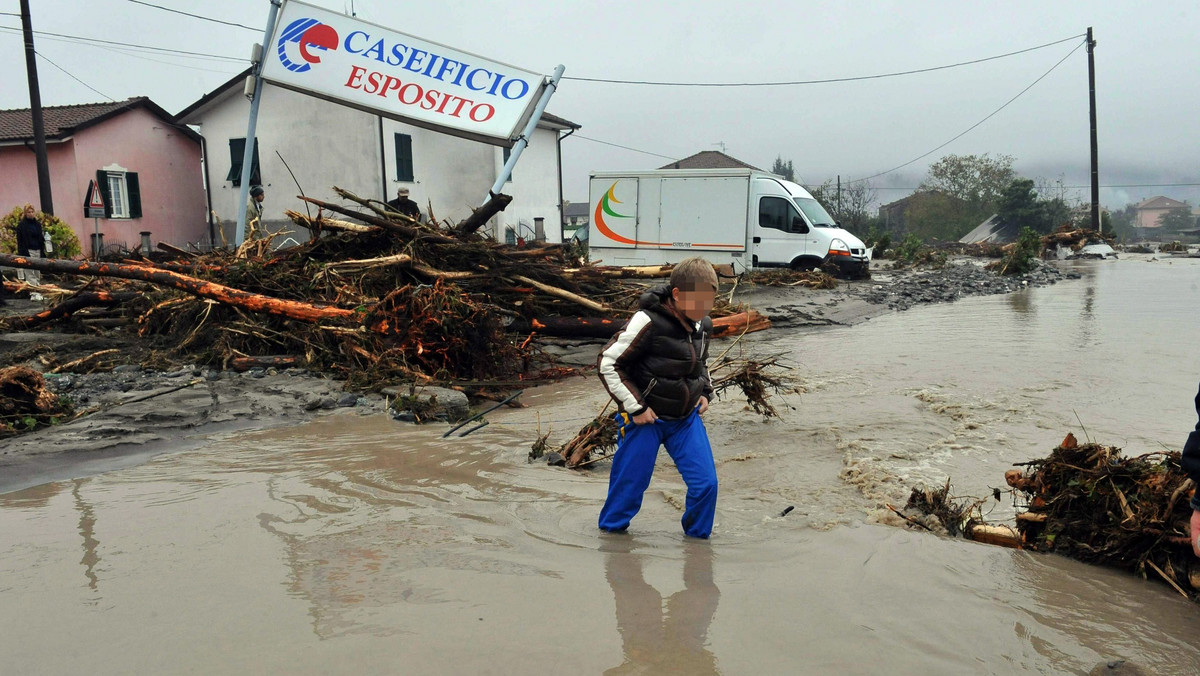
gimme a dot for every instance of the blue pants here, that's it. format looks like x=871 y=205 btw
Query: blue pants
x=637 y=449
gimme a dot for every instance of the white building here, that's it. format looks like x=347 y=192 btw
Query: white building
x=325 y=144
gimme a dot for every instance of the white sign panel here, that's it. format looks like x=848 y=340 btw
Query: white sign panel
x=359 y=64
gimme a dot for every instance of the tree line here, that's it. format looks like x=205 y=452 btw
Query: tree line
x=960 y=192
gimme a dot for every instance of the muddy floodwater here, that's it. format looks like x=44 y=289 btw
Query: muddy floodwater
x=360 y=545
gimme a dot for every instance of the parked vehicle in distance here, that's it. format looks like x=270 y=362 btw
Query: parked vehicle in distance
x=742 y=217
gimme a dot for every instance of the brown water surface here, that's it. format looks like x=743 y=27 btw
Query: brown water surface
x=360 y=545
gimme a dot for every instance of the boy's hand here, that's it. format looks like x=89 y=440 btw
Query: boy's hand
x=703 y=406
x=1195 y=532
x=646 y=417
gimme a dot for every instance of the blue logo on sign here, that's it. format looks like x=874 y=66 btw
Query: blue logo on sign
x=300 y=38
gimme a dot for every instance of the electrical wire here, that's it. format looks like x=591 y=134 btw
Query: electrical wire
x=618 y=145
x=1080 y=187
x=47 y=60
x=86 y=40
x=823 y=81
x=142 y=56
x=972 y=127
x=197 y=16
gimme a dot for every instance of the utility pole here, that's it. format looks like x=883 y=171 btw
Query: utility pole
x=1091 y=52
x=839 y=195
x=35 y=110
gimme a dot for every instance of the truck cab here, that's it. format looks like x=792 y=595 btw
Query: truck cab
x=791 y=229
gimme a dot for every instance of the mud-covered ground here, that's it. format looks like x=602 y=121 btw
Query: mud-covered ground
x=135 y=412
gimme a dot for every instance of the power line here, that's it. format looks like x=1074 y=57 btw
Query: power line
x=1078 y=187
x=139 y=55
x=823 y=81
x=197 y=16
x=47 y=60
x=79 y=38
x=618 y=145
x=972 y=127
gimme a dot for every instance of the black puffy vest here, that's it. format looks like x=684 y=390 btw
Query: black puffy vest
x=672 y=374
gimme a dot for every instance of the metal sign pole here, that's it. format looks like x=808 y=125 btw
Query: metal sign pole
x=248 y=153
x=523 y=139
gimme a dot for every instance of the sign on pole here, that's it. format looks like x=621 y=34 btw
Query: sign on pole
x=396 y=75
x=93 y=206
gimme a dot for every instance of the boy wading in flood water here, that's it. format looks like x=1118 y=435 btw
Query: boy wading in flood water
x=656 y=370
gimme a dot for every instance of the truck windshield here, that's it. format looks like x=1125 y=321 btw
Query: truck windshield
x=815 y=213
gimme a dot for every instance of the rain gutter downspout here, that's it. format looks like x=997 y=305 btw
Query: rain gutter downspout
x=562 y=211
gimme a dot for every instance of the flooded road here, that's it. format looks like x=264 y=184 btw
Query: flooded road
x=357 y=544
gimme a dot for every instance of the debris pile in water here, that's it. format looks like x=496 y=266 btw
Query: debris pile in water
x=379 y=301
x=1091 y=503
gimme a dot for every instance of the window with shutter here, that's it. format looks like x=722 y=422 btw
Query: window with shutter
x=237 y=149
x=118 y=195
x=508 y=154
x=404 y=158
x=134 y=192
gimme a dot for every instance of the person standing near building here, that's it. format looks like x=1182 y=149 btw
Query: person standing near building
x=30 y=243
x=403 y=205
x=254 y=205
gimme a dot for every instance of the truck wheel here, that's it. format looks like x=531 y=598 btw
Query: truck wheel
x=805 y=263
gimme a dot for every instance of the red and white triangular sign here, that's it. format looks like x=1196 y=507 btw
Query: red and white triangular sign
x=95 y=200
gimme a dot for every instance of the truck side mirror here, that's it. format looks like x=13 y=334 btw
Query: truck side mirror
x=799 y=226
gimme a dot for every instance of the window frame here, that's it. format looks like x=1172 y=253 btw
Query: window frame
x=118 y=199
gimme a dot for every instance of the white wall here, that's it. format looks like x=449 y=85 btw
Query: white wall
x=326 y=144
x=534 y=187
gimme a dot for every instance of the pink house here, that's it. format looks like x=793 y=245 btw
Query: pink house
x=148 y=169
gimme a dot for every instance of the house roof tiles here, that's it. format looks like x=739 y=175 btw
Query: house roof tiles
x=63 y=121
x=709 y=159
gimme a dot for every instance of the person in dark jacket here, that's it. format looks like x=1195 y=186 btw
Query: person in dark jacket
x=30 y=242
x=656 y=370
x=403 y=205
x=1191 y=465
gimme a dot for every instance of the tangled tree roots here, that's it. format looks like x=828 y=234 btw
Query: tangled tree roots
x=25 y=403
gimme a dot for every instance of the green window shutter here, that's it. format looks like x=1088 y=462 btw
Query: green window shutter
x=102 y=184
x=508 y=154
x=255 y=176
x=135 y=195
x=404 y=158
x=237 y=148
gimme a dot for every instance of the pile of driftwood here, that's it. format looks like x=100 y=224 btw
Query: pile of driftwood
x=26 y=404
x=372 y=296
x=1075 y=238
x=1091 y=503
x=812 y=279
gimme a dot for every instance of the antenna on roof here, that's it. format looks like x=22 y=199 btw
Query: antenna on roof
x=721 y=144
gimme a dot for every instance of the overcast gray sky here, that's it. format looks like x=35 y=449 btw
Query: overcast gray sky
x=1147 y=86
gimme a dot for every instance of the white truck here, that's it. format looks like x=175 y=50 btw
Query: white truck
x=743 y=217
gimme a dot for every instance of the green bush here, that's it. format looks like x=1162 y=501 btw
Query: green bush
x=66 y=244
x=1023 y=257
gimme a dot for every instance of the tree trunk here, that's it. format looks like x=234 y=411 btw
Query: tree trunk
x=198 y=287
x=69 y=307
x=494 y=205
x=275 y=361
